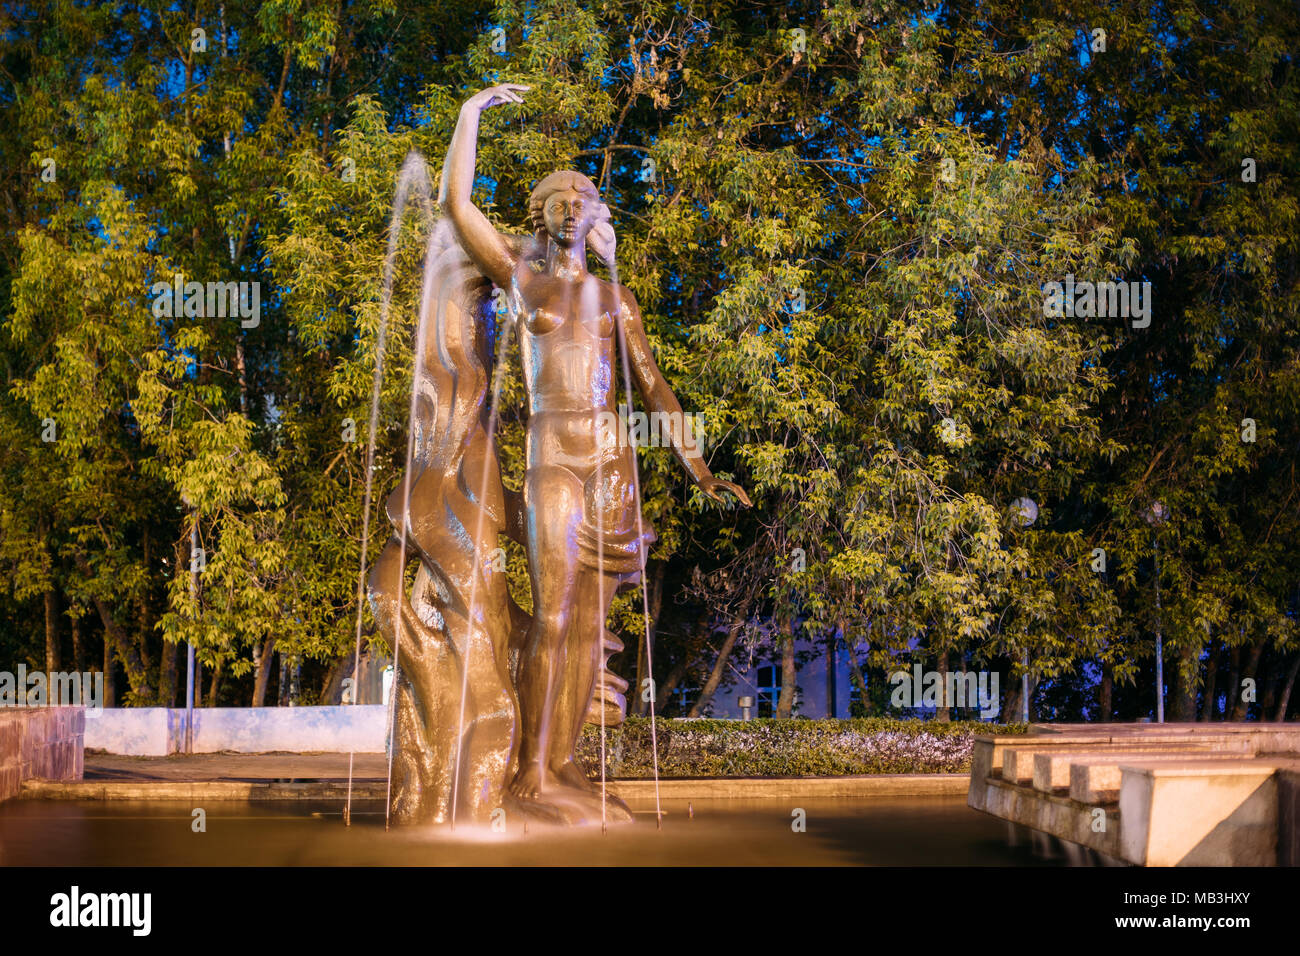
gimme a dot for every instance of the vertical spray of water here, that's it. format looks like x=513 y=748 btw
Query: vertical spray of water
x=600 y=613
x=413 y=175
x=600 y=633
x=503 y=338
x=640 y=531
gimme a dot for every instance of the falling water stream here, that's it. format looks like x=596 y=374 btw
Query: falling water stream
x=414 y=173
x=641 y=551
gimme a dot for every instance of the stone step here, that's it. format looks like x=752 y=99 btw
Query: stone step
x=1200 y=812
x=1290 y=729
x=1094 y=778
x=1170 y=795
x=1018 y=763
x=992 y=751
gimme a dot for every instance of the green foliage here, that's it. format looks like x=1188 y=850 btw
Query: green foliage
x=838 y=249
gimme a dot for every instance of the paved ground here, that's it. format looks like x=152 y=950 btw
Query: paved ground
x=205 y=767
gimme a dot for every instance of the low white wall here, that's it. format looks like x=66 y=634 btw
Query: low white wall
x=159 y=731
x=138 y=731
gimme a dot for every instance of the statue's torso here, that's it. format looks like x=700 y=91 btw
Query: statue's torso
x=567 y=331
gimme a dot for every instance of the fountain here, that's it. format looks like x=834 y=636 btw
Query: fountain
x=489 y=700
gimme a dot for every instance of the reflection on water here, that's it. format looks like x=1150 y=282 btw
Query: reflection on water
x=917 y=831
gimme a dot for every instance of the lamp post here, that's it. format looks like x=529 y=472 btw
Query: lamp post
x=1026 y=513
x=189 y=645
x=1155 y=516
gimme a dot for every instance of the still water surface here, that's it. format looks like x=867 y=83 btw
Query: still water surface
x=915 y=831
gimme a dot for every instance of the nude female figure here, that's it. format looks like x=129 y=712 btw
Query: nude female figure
x=579 y=500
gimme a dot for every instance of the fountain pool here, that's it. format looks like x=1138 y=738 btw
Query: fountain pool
x=914 y=831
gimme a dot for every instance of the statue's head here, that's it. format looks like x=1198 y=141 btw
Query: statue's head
x=566 y=206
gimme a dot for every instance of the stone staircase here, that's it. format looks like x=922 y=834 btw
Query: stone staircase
x=1147 y=794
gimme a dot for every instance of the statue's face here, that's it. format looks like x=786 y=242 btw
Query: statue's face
x=568 y=215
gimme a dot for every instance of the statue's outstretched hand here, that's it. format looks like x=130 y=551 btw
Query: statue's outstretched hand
x=495 y=96
x=714 y=488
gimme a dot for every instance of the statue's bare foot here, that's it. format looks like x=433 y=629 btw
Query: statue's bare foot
x=537 y=794
x=558 y=798
x=527 y=784
x=586 y=806
x=615 y=810
x=539 y=809
x=588 y=793
x=571 y=775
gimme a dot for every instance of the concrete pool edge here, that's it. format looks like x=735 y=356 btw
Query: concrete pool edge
x=676 y=788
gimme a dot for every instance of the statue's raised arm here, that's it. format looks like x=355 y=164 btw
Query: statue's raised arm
x=487 y=247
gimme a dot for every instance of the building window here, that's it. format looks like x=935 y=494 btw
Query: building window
x=769 y=689
x=855 y=698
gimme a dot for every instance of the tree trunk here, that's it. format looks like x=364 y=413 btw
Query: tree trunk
x=116 y=641
x=1182 y=708
x=147 y=620
x=53 y=659
x=639 y=685
x=830 y=676
x=167 y=676
x=78 y=647
x=785 y=703
x=1284 y=696
x=719 y=666
x=698 y=640
x=1011 y=699
x=110 y=686
x=332 y=689
x=1233 y=686
x=1272 y=666
x=944 y=712
x=664 y=693
x=137 y=677
x=1106 y=694
x=1210 y=695
x=1242 y=706
x=213 y=685
x=855 y=672
x=282 y=691
x=262 y=658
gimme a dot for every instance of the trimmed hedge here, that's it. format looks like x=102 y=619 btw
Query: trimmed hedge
x=786 y=748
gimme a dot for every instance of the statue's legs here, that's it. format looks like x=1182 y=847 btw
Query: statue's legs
x=594 y=593
x=553 y=504
x=586 y=650
x=561 y=657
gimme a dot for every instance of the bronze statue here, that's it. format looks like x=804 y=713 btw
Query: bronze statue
x=532 y=681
